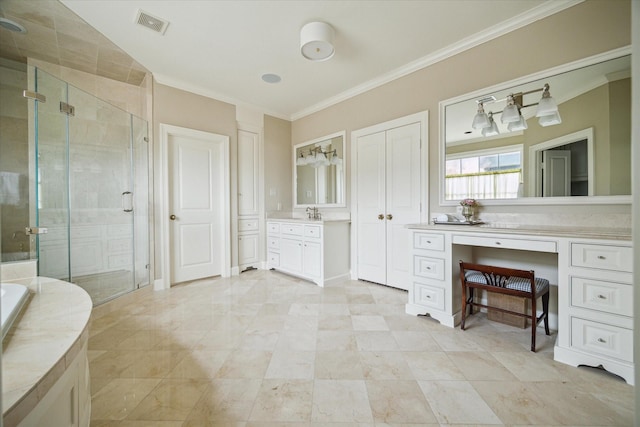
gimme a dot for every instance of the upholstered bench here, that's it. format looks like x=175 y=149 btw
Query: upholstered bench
x=507 y=281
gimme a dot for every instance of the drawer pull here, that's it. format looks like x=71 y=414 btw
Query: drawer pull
x=602 y=340
x=428 y=296
x=429 y=241
x=498 y=243
x=602 y=257
x=602 y=297
x=428 y=268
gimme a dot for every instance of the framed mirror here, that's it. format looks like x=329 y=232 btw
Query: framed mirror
x=319 y=176
x=578 y=153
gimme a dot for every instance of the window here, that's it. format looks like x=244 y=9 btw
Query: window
x=484 y=174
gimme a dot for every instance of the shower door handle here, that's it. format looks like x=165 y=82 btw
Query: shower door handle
x=127 y=201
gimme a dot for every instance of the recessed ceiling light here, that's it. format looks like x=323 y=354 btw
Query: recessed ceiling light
x=10 y=25
x=271 y=78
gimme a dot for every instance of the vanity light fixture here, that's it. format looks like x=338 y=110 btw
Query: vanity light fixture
x=481 y=119
x=511 y=115
x=317 y=157
x=492 y=129
x=301 y=161
x=316 y=41
x=548 y=113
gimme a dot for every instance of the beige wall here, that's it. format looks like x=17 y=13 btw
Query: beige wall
x=583 y=30
x=185 y=109
x=277 y=164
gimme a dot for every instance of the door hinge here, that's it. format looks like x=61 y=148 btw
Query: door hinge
x=145 y=139
x=34 y=95
x=67 y=109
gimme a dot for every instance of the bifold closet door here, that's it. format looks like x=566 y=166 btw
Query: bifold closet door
x=388 y=180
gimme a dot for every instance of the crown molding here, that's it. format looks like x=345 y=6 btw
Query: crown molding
x=540 y=12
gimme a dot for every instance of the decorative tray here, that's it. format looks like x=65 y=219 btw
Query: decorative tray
x=459 y=222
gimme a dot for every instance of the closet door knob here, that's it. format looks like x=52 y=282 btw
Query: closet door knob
x=172 y=217
x=380 y=216
x=389 y=216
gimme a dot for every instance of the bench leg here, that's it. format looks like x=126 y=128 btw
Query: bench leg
x=464 y=306
x=545 y=312
x=534 y=324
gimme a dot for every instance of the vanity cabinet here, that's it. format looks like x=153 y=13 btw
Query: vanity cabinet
x=594 y=284
x=598 y=297
x=314 y=250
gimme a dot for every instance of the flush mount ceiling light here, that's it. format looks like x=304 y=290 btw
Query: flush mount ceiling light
x=316 y=41
x=547 y=112
x=10 y=25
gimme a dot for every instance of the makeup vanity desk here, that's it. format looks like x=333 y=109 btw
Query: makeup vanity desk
x=594 y=281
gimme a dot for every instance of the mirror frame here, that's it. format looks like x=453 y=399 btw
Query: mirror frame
x=343 y=203
x=571 y=200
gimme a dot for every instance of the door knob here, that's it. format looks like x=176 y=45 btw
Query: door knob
x=389 y=216
x=380 y=216
x=172 y=217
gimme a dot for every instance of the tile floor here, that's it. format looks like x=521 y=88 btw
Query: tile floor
x=265 y=349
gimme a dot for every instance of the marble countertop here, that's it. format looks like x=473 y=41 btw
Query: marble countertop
x=45 y=338
x=307 y=220
x=532 y=230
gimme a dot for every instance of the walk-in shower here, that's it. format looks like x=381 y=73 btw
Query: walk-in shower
x=75 y=170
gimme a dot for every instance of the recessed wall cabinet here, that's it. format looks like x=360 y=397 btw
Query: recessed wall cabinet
x=317 y=251
x=594 y=284
x=249 y=230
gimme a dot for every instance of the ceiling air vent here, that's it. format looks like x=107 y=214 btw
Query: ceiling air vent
x=151 y=22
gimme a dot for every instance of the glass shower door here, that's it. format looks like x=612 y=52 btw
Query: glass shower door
x=92 y=190
x=100 y=202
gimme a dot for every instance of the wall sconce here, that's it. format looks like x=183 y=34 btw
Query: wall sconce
x=511 y=115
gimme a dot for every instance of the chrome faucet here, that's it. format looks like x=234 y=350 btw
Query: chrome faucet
x=312 y=213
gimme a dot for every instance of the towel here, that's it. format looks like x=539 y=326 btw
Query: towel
x=9 y=188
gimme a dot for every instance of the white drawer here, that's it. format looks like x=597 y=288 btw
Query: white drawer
x=273 y=227
x=499 y=242
x=617 y=258
x=430 y=268
x=313 y=231
x=603 y=339
x=432 y=242
x=610 y=297
x=273 y=243
x=248 y=225
x=428 y=296
x=273 y=258
x=292 y=229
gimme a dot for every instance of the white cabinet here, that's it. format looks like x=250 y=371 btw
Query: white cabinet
x=249 y=210
x=433 y=289
x=312 y=250
x=595 y=285
x=388 y=182
x=596 y=319
x=68 y=401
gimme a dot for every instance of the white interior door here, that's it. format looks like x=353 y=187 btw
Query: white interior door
x=372 y=257
x=195 y=179
x=556 y=173
x=388 y=174
x=402 y=200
